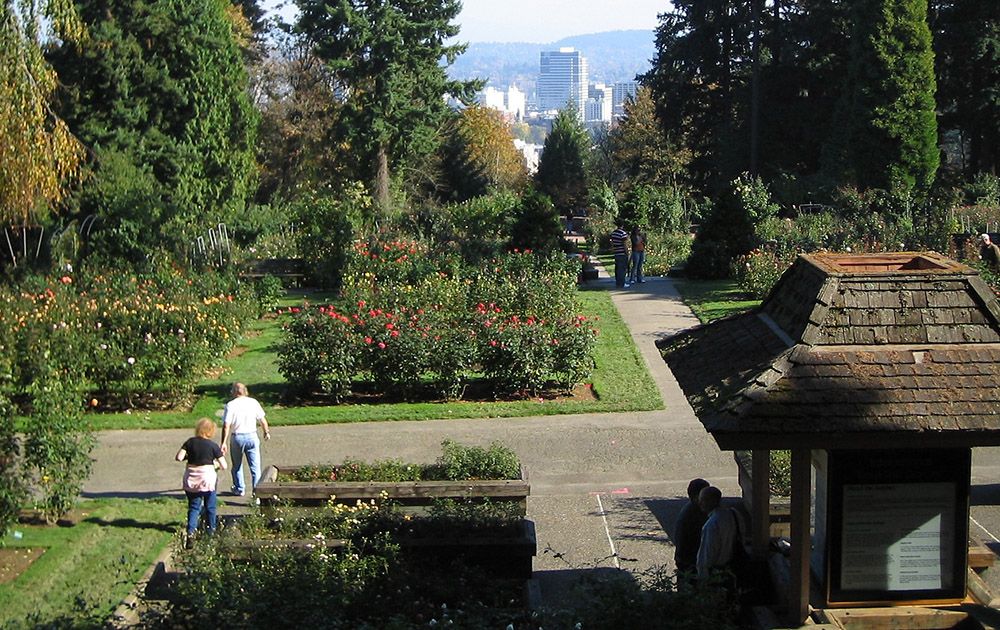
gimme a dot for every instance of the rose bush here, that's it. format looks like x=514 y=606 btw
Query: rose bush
x=422 y=325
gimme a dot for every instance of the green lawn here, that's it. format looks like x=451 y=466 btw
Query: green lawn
x=713 y=299
x=88 y=568
x=620 y=382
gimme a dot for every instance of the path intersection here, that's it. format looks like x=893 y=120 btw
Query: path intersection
x=605 y=488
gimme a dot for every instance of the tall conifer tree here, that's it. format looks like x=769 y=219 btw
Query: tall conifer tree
x=886 y=131
x=386 y=55
x=562 y=169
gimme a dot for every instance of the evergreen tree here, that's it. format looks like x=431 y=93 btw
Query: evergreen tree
x=386 y=55
x=536 y=225
x=562 y=169
x=700 y=81
x=967 y=47
x=886 y=132
x=160 y=94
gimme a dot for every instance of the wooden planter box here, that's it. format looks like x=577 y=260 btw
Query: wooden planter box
x=780 y=507
x=507 y=557
x=404 y=492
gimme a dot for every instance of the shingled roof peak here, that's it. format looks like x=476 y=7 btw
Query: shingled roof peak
x=846 y=347
x=883 y=299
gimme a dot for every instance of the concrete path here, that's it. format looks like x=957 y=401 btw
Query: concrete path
x=606 y=488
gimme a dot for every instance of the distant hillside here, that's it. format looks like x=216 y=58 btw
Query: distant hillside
x=611 y=56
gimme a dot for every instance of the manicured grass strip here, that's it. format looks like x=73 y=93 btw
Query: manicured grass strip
x=713 y=299
x=90 y=567
x=620 y=381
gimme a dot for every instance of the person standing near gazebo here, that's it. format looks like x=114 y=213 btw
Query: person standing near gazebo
x=239 y=433
x=687 y=531
x=718 y=535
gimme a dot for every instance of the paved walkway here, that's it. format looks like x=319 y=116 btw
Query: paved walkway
x=605 y=487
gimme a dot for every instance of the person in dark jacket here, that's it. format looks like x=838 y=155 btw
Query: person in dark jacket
x=687 y=530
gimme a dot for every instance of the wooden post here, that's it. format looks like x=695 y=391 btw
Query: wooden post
x=798 y=604
x=760 y=520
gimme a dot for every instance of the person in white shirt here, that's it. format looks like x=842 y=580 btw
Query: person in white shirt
x=239 y=434
x=718 y=534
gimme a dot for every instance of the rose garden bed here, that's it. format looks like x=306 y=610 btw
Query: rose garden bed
x=278 y=486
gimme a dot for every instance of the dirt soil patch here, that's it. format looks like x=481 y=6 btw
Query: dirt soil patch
x=477 y=391
x=15 y=560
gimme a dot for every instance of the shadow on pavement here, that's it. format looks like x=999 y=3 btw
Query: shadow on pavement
x=132 y=495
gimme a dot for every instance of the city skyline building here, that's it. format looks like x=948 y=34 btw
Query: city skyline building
x=599 y=103
x=621 y=91
x=562 y=80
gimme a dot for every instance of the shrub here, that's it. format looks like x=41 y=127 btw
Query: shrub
x=537 y=225
x=474 y=462
x=756 y=273
x=326 y=234
x=458 y=462
x=267 y=291
x=319 y=352
x=728 y=231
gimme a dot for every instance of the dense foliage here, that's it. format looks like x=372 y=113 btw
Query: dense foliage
x=886 y=131
x=39 y=156
x=386 y=57
x=412 y=325
x=457 y=462
x=356 y=571
x=562 y=170
x=159 y=92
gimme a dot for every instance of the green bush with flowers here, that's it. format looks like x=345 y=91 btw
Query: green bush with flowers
x=125 y=340
x=424 y=326
x=354 y=572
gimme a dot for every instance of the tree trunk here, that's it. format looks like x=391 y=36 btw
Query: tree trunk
x=381 y=179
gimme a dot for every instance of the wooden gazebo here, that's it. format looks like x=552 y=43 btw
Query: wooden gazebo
x=881 y=372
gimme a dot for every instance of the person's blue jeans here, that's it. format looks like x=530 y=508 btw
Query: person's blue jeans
x=245 y=444
x=638 y=258
x=198 y=501
x=621 y=269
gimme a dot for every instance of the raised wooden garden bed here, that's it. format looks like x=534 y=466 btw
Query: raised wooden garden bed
x=501 y=556
x=403 y=492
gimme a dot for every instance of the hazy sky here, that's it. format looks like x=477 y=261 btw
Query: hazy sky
x=544 y=21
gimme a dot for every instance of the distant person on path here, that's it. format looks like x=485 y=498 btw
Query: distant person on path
x=619 y=238
x=989 y=252
x=718 y=535
x=638 y=239
x=239 y=435
x=200 y=478
x=687 y=530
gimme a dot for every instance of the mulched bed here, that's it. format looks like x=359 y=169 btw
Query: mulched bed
x=364 y=394
x=15 y=560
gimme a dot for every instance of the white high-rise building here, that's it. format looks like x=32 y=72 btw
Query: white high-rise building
x=511 y=101
x=492 y=97
x=516 y=102
x=620 y=92
x=562 y=79
x=598 y=107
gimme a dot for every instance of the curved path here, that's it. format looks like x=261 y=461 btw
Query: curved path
x=605 y=488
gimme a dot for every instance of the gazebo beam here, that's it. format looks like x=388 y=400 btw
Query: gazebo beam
x=760 y=519
x=798 y=605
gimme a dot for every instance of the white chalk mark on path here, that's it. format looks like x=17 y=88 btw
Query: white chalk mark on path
x=607 y=531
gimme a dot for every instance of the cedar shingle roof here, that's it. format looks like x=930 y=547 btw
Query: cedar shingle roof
x=847 y=350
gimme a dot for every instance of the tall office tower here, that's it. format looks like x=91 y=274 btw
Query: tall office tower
x=599 y=101
x=562 y=79
x=620 y=92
